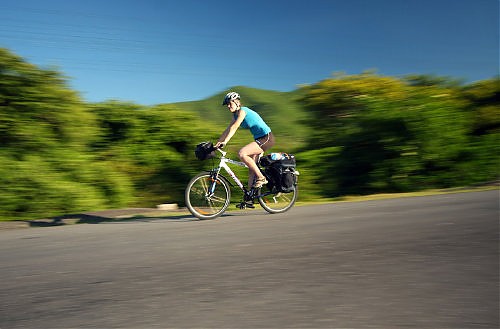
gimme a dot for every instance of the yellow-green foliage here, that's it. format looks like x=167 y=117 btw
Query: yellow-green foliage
x=398 y=135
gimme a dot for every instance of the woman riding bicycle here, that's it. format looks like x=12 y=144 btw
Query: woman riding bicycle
x=263 y=137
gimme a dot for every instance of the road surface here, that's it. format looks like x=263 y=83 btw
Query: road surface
x=421 y=262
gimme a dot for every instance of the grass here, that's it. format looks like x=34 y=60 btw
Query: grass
x=383 y=196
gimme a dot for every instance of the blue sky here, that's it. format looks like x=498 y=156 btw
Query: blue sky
x=163 y=51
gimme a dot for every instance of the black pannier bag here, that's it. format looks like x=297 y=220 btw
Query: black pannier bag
x=286 y=160
x=281 y=173
x=204 y=150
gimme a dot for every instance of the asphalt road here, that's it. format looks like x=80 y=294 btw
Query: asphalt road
x=422 y=262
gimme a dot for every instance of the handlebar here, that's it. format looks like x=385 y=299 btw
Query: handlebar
x=220 y=150
x=221 y=146
x=213 y=148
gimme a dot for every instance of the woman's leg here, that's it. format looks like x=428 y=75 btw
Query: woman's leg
x=251 y=174
x=249 y=155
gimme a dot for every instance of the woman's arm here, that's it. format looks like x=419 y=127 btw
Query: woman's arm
x=231 y=129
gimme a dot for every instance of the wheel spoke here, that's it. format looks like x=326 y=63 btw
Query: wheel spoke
x=217 y=198
x=204 y=186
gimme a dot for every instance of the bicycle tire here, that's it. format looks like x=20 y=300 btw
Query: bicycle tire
x=276 y=203
x=198 y=201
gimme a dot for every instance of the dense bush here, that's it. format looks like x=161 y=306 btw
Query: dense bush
x=59 y=154
x=45 y=130
x=392 y=135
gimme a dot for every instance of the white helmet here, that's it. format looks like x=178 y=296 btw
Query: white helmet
x=230 y=97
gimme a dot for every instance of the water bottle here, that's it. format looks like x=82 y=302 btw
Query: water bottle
x=276 y=156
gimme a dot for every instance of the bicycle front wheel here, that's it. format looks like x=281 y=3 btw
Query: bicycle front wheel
x=207 y=198
x=276 y=203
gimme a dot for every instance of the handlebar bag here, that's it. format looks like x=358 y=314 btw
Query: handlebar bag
x=204 y=150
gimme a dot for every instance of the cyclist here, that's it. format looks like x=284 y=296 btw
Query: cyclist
x=263 y=137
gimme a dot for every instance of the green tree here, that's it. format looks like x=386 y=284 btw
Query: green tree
x=484 y=103
x=482 y=157
x=391 y=136
x=151 y=145
x=45 y=132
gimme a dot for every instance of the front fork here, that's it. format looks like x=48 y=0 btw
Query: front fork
x=214 y=175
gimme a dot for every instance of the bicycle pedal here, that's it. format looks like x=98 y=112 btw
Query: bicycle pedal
x=249 y=196
x=250 y=205
x=244 y=205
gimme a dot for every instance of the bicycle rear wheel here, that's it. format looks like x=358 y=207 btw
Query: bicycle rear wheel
x=276 y=203
x=204 y=200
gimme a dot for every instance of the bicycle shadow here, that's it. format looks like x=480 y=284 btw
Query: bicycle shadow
x=83 y=218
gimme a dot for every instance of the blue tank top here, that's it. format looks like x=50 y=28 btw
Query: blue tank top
x=254 y=122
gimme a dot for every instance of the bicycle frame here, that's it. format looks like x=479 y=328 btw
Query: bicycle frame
x=223 y=164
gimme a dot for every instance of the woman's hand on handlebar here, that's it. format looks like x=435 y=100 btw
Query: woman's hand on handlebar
x=219 y=145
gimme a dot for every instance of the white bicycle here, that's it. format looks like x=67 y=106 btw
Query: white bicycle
x=208 y=194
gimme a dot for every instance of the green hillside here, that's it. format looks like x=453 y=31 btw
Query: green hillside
x=280 y=110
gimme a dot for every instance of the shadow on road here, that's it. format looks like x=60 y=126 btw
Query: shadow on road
x=97 y=219
x=94 y=219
